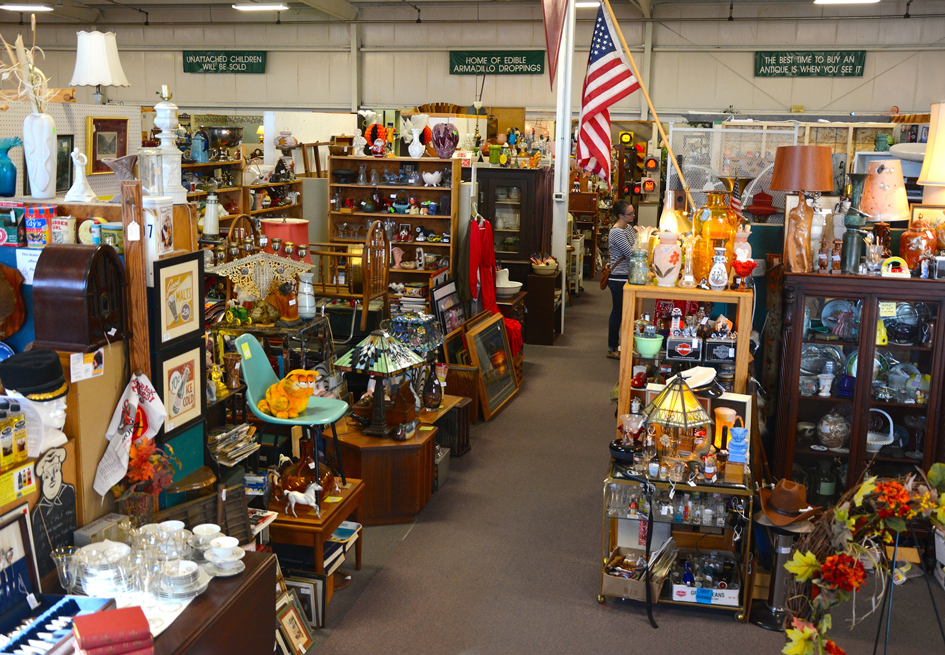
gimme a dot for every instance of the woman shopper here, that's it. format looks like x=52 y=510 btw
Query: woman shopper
x=621 y=241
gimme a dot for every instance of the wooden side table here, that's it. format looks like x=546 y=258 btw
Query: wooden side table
x=310 y=530
x=452 y=420
x=397 y=475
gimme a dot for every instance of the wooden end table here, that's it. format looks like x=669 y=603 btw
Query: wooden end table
x=310 y=530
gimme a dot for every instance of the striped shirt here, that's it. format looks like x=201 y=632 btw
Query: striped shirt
x=621 y=244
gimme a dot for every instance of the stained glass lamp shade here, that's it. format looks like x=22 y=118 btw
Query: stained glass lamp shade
x=676 y=406
x=419 y=332
x=379 y=355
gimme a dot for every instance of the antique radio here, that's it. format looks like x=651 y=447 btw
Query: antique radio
x=79 y=302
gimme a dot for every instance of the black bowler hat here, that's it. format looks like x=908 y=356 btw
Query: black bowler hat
x=36 y=374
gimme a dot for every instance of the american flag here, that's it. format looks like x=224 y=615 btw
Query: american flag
x=609 y=79
x=736 y=202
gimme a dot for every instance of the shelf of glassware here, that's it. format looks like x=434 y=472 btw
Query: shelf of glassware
x=837 y=418
x=621 y=502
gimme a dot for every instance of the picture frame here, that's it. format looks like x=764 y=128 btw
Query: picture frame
x=477 y=319
x=176 y=309
x=16 y=532
x=281 y=647
x=454 y=346
x=826 y=201
x=106 y=137
x=488 y=347
x=293 y=626
x=447 y=306
x=310 y=589
x=65 y=168
x=187 y=364
x=933 y=214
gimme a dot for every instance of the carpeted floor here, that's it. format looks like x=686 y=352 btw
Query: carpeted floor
x=505 y=558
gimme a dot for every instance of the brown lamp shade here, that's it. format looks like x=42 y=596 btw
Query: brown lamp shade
x=803 y=168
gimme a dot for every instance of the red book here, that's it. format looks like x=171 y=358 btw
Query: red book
x=121 y=648
x=110 y=627
x=148 y=650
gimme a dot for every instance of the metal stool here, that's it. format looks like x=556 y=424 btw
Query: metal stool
x=769 y=614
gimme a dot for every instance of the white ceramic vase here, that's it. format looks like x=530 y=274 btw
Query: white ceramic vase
x=39 y=148
x=415 y=148
x=306 y=296
x=667 y=259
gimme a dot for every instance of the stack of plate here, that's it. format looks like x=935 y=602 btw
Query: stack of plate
x=104 y=569
x=168 y=590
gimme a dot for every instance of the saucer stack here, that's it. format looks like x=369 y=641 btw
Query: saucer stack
x=223 y=557
x=181 y=580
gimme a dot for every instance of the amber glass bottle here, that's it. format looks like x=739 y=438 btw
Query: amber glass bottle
x=715 y=225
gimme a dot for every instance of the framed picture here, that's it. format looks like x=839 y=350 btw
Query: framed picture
x=181 y=376
x=477 y=319
x=310 y=590
x=934 y=215
x=177 y=305
x=106 y=137
x=65 y=170
x=447 y=306
x=294 y=627
x=16 y=536
x=281 y=647
x=489 y=351
x=454 y=346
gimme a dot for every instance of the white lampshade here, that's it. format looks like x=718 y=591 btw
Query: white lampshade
x=97 y=62
x=933 y=166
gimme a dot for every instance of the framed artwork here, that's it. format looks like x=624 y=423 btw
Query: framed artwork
x=177 y=306
x=281 y=647
x=310 y=591
x=293 y=626
x=106 y=137
x=447 y=306
x=934 y=215
x=454 y=347
x=65 y=170
x=489 y=352
x=16 y=536
x=182 y=375
x=477 y=319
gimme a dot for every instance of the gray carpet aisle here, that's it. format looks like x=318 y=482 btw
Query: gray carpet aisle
x=504 y=559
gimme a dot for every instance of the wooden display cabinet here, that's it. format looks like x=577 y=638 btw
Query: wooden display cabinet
x=225 y=195
x=343 y=226
x=583 y=207
x=544 y=305
x=869 y=397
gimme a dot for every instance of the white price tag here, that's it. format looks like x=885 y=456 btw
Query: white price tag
x=731 y=352
x=311 y=465
x=292 y=302
x=223 y=495
x=695 y=343
x=705 y=319
x=134 y=231
x=33 y=603
x=690 y=483
x=166 y=337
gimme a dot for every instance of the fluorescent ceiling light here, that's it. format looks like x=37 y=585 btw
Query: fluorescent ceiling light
x=581 y=5
x=845 y=2
x=26 y=8
x=261 y=7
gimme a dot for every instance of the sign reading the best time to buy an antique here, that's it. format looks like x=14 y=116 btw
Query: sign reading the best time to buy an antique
x=810 y=63
x=224 y=61
x=495 y=62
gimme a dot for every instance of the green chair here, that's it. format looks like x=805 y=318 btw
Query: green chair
x=259 y=376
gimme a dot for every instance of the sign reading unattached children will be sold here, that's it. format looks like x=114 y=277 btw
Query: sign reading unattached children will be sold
x=225 y=61
x=497 y=62
x=810 y=63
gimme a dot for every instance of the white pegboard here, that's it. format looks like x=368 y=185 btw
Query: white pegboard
x=70 y=119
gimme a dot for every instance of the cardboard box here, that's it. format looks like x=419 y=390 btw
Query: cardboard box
x=939 y=546
x=684 y=349
x=12 y=228
x=625 y=587
x=720 y=350
x=100 y=529
x=722 y=597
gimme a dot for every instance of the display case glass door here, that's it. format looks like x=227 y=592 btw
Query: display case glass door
x=900 y=411
x=825 y=418
x=507 y=223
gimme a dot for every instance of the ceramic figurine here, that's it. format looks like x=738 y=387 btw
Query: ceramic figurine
x=835 y=256
x=397 y=254
x=799 y=225
x=379 y=147
x=359 y=143
x=80 y=191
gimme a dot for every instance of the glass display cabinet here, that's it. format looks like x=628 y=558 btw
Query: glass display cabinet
x=860 y=381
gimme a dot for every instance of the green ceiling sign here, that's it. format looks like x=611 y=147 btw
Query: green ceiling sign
x=810 y=63
x=497 y=62
x=225 y=61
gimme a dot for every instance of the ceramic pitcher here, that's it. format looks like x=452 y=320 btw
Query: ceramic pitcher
x=667 y=259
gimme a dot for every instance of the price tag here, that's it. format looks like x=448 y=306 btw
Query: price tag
x=731 y=352
x=690 y=483
x=311 y=465
x=166 y=337
x=887 y=309
x=134 y=231
x=332 y=499
x=705 y=319
x=704 y=596
x=695 y=343
x=246 y=353
x=31 y=599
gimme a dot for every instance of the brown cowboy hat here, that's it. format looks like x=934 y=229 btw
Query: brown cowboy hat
x=786 y=503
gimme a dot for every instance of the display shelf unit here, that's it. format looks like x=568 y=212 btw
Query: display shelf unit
x=698 y=537
x=583 y=207
x=812 y=304
x=225 y=195
x=438 y=223
x=633 y=297
x=544 y=304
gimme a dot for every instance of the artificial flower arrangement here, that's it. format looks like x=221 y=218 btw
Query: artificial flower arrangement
x=828 y=561
x=31 y=83
x=150 y=470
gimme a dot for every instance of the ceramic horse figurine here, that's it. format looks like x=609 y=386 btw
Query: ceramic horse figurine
x=308 y=498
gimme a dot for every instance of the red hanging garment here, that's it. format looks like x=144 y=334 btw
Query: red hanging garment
x=475 y=252
x=487 y=268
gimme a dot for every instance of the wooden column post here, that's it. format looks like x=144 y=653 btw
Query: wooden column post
x=139 y=355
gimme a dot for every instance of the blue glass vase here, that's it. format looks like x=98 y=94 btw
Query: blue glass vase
x=7 y=168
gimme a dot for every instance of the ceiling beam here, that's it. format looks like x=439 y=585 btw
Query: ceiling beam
x=338 y=8
x=77 y=12
x=646 y=6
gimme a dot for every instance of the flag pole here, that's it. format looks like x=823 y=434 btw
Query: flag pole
x=656 y=119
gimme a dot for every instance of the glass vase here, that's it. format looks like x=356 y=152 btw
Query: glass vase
x=7 y=167
x=667 y=258
x=714 y=225
x=687 y=279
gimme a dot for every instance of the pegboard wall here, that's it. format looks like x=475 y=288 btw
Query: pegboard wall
x=71 y=119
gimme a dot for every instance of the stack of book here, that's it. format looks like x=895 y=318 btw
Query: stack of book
x=230 y=444
x=113 y=632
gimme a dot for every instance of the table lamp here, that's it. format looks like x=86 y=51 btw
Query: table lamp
x=380 y=355
x=807 y=170
x=261 y=133
x=884 y=194
x=932 y=176
x=97 y=63
x=421 y=333
x=678 y=408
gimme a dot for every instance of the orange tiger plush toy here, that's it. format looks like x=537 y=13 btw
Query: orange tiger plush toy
x=289 y=397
